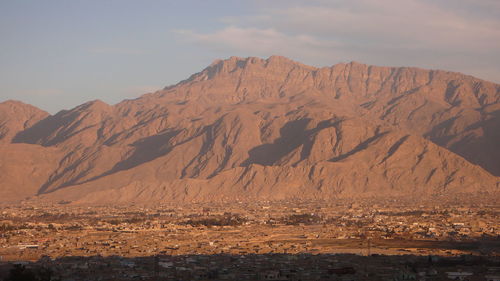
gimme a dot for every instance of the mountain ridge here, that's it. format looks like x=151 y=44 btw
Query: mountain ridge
x=238 y=128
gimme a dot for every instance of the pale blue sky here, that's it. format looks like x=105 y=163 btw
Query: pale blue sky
x=58 y=54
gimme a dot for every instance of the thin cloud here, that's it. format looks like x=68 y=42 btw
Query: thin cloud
x=434 y=34
x=407 y=23
x=260 y=42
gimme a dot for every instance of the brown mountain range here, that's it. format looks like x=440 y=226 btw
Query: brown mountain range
x=249 y=128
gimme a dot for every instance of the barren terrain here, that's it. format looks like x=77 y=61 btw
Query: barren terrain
x=273 y=129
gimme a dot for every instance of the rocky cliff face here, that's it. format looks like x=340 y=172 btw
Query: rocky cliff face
x=249 y=128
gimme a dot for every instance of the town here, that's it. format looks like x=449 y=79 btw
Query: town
x=287 y=240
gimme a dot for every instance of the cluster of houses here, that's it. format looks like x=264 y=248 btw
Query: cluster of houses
x=253 y=241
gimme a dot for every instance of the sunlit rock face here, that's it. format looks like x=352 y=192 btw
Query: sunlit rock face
x=252 y=129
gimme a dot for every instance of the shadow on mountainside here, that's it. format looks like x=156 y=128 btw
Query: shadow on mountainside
x=65 y=124
x=477 y=148
x=42 y=130
x=360 y=147
x=145 y=150
x=292 y=135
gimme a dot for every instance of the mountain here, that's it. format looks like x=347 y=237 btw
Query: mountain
x=16 y=117
x=251 y=128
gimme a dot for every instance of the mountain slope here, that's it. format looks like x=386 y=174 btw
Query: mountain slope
x=362 y=162
x=253 y=128
x=15 y=117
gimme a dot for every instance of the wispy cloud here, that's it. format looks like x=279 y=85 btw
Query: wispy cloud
x=409 y=23
x=449 y=34
x=258 y=41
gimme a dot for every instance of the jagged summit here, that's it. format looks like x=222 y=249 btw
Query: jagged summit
x=232 y=64
x=252 y=128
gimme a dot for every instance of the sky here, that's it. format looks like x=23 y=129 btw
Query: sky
x=57 y=54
